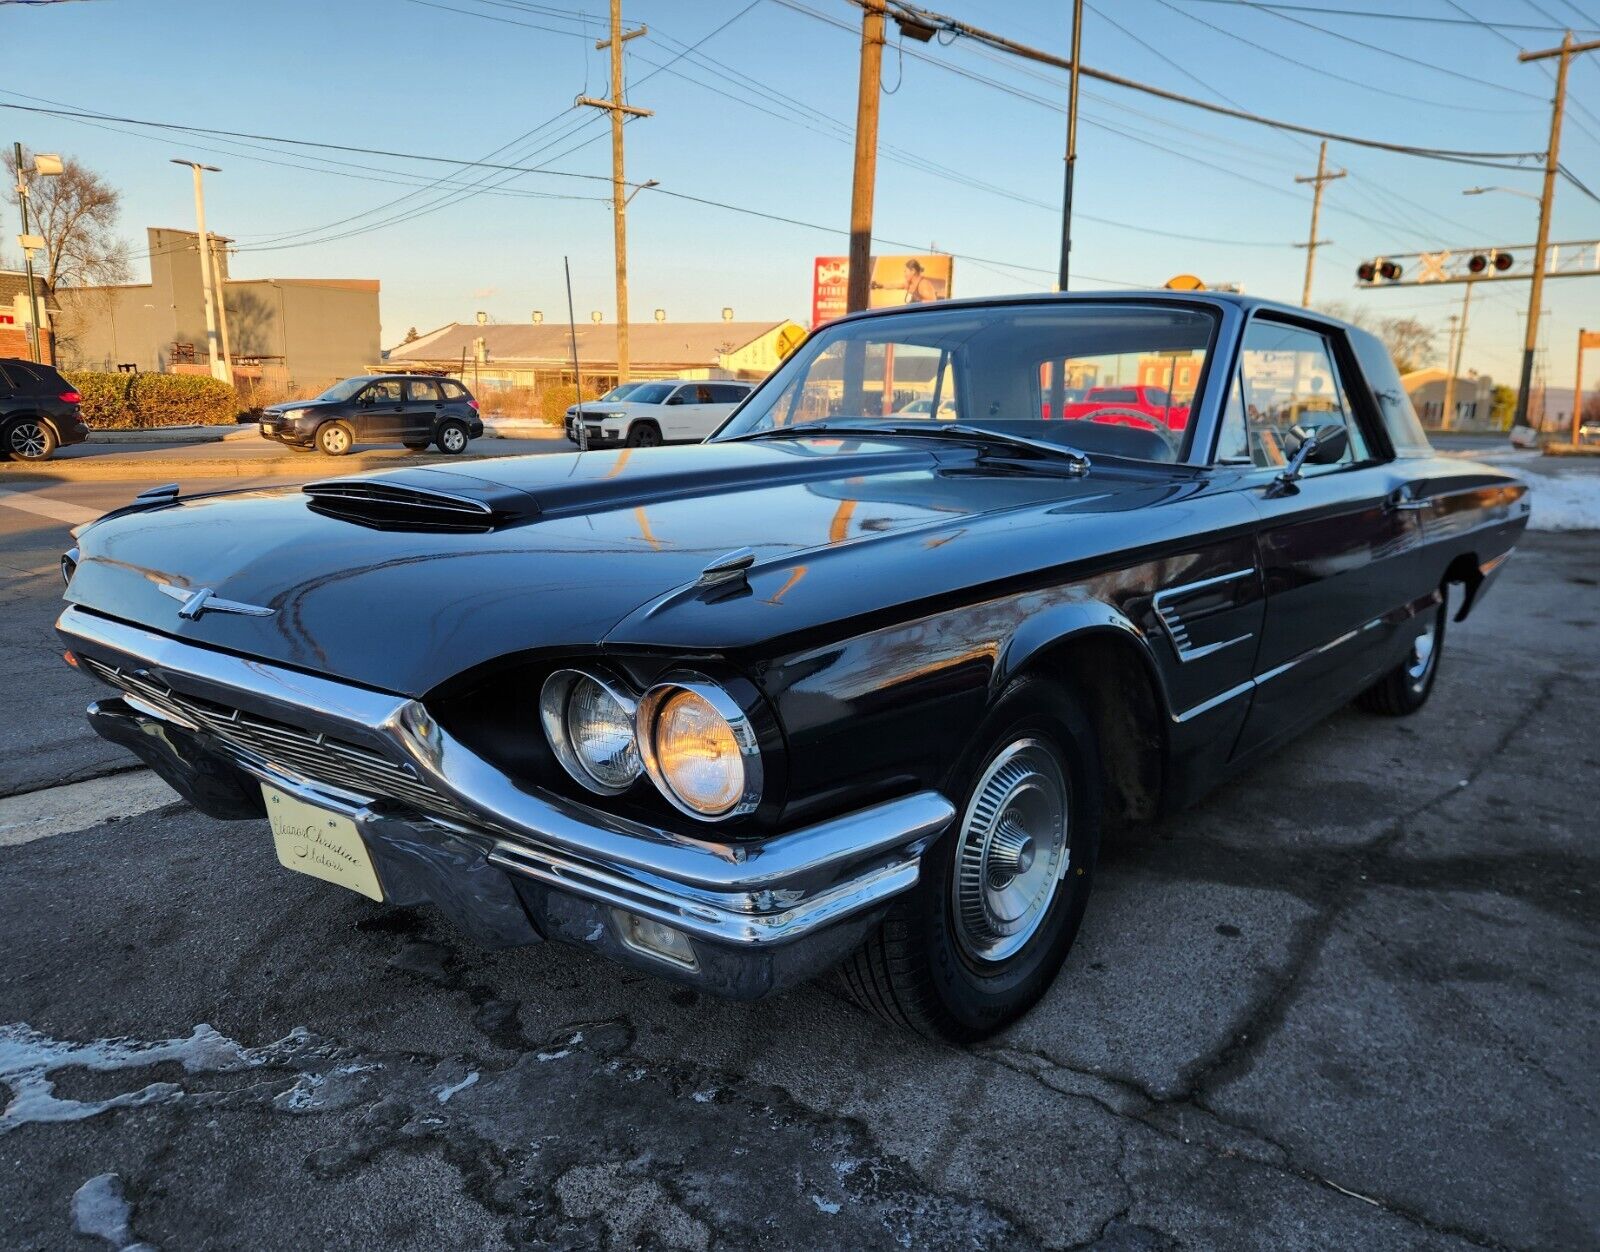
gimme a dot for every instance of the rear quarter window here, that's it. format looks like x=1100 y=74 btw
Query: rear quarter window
x=1400 y=421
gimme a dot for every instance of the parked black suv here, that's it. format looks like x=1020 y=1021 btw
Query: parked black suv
x=413 y=409
x=38 y=411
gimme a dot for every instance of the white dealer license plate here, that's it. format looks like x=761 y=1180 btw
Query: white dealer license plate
x=265 y=428
x=325 y=845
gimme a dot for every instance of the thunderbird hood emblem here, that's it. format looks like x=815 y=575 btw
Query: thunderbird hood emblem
x=197 y=601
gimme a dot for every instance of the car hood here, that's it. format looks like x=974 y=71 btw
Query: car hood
x=287 y=405
x=594 y=549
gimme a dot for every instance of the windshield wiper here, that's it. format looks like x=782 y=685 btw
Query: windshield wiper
x=1078 y=461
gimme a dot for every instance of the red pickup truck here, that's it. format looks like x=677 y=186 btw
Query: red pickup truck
x=1148 y=408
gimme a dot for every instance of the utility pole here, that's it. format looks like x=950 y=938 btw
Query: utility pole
x=34 y=329
x=1546 y=202
x=1072 y=144
x=864 y=178
x=220 y=367
x=1577 y=384
x=222 y=304
x=1318 y=180
x=619 y=201
x=1458 y=344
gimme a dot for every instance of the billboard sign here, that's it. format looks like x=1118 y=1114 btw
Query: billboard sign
x=895 y=280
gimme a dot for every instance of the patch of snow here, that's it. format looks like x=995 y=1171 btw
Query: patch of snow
x=306 y=1094
x=827 y=1206
x=101 y=1210
x=564 y=1050
x=444 y=1093
x=1565 y=501
x=704 y=1097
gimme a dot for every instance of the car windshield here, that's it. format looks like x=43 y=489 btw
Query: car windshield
x=621 y=392
x=344 y=390
x=1114 y=378
x=650 y=393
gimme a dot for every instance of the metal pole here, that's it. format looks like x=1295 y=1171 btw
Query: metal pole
x=1449 y=406
x=1577 y=389
x=1318 y=181
x=1072 y=145
x=577 y=376
x=219 y=367
x=1458 y=345
x=1530 y=341
x=222 y=306
x=36 y=328
x=859 y=292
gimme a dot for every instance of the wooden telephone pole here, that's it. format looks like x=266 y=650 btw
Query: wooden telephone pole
x=864 y=179
x=1318 y=181
x=619 y=199
x=1552 y=166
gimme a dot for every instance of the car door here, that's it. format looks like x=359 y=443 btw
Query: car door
x=681 y=416
x=421 y=412
x=380 y=412
x=1339 y=548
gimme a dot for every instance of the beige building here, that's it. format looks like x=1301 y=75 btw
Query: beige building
x=537 y=353
x=302 y=332
x=1474 y=399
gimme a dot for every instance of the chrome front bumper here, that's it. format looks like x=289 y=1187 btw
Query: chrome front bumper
x=210 y=722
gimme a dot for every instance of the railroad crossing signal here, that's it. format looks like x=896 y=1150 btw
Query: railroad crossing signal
x=1573 y=259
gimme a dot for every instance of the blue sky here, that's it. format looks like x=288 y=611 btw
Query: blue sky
x=758 y=128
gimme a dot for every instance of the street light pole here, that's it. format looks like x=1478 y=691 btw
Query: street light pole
x=1072 y=144
x=35 y=325
x=221 y=367
x=1552 y=166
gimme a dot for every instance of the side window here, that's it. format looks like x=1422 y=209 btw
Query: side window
x=702 y=395
x=727 y=393
x=422 y=391
x=386 y=392
x=453 y=390
x=1288 y=378
x=683 y=395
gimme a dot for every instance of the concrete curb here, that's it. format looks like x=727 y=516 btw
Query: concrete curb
x=165 y=434
x=520 y=428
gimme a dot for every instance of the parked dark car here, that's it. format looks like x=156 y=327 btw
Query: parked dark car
x=38 y=411
x=835 y=689
x=413 y=409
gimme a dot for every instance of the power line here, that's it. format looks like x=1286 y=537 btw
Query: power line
x=961 y=28
x=1330 y=11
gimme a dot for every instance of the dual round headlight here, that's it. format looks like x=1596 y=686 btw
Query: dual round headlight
x=687 y=733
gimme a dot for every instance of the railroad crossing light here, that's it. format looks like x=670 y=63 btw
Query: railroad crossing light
x=1371 y=271
x=1367 y=272
x=1502 y=261
x=1477 y=263
x=1389 y=270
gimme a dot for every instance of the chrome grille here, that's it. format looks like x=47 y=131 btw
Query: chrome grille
x=304 y=754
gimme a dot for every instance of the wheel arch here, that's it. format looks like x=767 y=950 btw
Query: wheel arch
x=1465 y=569
x=1103 y=657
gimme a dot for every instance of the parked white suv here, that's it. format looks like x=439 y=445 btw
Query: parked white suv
x=668 y=411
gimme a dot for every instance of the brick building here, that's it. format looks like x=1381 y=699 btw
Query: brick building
x=16 y=315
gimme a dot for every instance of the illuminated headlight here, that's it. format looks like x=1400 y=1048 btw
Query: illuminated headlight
x=589 y=722
x=699 y=748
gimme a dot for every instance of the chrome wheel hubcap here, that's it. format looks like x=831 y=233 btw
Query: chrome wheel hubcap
x=28 y=439
x=336 y=441
x=1013 y=851
x=1422 y=653
x=453 y=440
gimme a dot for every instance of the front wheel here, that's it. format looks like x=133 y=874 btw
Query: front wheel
x=29 y=439
x=452 y=438
x=335 y=439
x=980 y=938
x=1405 y=688
x=644 y=435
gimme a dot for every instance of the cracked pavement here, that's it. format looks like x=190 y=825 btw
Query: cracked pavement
x=1346 y=1002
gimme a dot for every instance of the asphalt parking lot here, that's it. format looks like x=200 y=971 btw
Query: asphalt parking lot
x=1349 y=1002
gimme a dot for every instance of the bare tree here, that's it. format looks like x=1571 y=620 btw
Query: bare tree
x=76 y=212
x=1409 y=341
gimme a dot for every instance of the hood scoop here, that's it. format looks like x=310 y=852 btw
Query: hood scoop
x=420 y=500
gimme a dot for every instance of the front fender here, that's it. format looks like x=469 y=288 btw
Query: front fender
x=1063 y=624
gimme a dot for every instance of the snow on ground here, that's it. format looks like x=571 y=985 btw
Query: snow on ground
x=1565 y=501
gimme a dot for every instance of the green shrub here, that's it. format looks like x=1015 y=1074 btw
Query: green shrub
x=555 y=399
x=143 y=401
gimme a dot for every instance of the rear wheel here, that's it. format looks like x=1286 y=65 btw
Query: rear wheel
x=981 y=936
x=452 y=438
x=29 y=439
x=335 y=439
x=644 y=435
x=1405 y=688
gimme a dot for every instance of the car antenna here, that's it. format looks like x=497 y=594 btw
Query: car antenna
x=577 y=377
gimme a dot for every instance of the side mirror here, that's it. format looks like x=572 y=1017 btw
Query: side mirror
x=675 y=400
x=1319 y=445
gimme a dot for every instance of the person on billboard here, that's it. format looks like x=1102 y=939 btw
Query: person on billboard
x=919 y=288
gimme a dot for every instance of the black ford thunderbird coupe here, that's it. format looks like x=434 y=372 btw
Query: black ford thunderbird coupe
x=848 y=686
